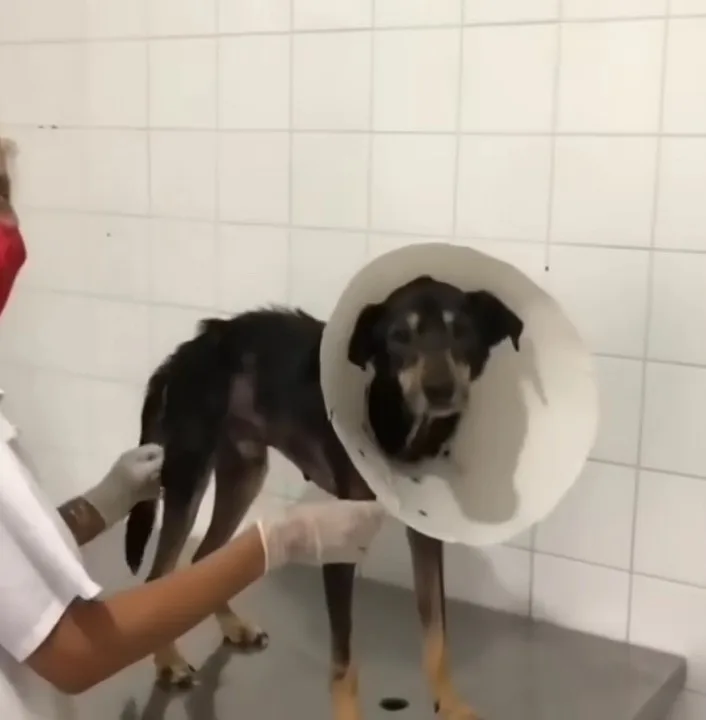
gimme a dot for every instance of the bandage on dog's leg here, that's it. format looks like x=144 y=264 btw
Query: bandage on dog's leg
x=338 y=586
x=428 y=564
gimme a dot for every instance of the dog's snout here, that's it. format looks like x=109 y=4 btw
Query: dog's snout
x=439 y=393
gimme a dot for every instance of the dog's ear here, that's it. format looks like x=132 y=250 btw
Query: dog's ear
x=495 y=319
x=361 y=347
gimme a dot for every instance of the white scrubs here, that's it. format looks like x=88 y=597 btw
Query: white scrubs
x=41 y=574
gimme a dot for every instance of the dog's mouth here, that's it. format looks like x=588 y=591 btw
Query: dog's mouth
x=438 y=405
x=433 y=411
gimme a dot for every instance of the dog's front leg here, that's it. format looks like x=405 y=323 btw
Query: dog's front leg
x=338 y=584
x=428 y=564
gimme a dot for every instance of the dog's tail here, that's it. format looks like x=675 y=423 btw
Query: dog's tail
x=141 y=520
x=185 y=405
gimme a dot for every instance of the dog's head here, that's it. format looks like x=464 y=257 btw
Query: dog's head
x=434 y=340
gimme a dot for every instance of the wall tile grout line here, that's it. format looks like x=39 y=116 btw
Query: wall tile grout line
x=289 y=228
x=361 y=230
x=370 y=167
x=617 y=569
x=132 y=300
x=217 y=235
x=556 y=79
x=290 y=160
x=358 y=28
x=556 y=84
x=371 y=137
x=648 y=314
x=151 y=260
x=459 y=122
x=64 y=127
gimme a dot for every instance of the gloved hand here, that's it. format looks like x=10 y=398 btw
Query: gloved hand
x=133 y=478
x=336 y=531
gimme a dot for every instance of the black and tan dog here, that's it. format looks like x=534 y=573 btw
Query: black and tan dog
x=250 y=383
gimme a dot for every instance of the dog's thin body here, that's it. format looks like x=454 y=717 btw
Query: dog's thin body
x=240 y=387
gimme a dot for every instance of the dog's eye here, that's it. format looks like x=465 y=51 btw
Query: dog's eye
x=400 y=335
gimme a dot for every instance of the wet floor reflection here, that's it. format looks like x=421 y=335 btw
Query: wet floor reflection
x=199 y=703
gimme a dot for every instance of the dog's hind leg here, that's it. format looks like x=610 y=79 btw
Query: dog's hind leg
x=428 y=565
x=177 y=524
x=241 y=468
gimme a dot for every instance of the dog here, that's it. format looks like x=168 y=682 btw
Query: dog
x=246 y=384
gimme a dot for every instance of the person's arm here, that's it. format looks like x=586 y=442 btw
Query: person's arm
x=50 y=614
x=96 y=639
x=133 y=477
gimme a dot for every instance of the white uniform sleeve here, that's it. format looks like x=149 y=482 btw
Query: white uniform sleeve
x=41 y=574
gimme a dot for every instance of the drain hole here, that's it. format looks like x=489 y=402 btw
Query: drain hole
x=393 y=704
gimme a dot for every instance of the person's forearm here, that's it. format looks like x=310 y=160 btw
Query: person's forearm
x=82 y=519
x=97 y=639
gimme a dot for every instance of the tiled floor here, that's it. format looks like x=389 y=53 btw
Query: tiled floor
x=509 y=667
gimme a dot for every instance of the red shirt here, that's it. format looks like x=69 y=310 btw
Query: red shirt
x=12 y=256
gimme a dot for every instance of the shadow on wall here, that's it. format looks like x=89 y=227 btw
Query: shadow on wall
x=487 y=576
x=495 y=438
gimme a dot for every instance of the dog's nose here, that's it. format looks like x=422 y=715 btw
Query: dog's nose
x=439 y=394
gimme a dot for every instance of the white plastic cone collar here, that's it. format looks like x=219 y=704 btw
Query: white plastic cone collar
x=530 y=423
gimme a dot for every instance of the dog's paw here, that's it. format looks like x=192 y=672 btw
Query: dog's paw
x=242 y=636
x=178 y=675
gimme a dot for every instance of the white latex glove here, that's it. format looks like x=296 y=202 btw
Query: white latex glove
x=133 y=478
x=335 y=531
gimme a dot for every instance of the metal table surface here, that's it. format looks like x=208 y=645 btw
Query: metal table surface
x=508 y=667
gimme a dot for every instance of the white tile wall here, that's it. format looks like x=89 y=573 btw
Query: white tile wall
x=254 y=16
x=186 y=158
x=182 y=180
x=630 y=54
x=181 y=17
x=508 y=78
x=331 y=88
x=603 y=497
x=603 y=190
x=681 y=221
x=329 y=179
x=254 y=82
x=415 y=75
x=412 y=184
x=587 y=597
x=503 y=187
x=589 y=9
x=397 y=13
x=685 y=102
